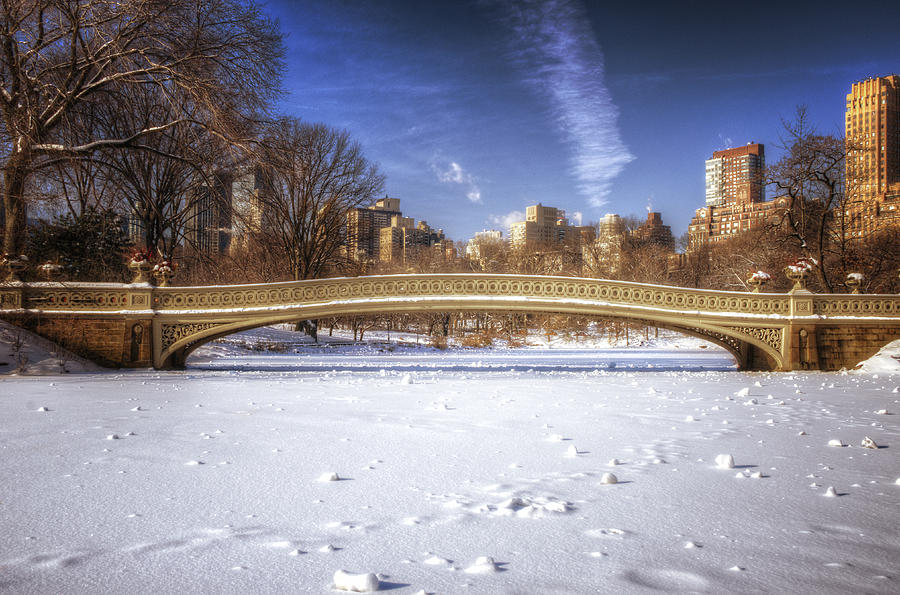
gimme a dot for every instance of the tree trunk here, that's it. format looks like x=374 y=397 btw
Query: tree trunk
x=14 y=228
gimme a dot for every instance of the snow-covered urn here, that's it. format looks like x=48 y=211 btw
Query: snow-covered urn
x=163 y=271
x=798 y=273
x=853 y=281
x=757 y=280
x=140 y=266
x=358 y=583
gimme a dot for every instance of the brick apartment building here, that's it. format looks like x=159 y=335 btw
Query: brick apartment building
x=735 y=196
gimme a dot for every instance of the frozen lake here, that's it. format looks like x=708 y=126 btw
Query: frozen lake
x=535 y=360
x=216 y=479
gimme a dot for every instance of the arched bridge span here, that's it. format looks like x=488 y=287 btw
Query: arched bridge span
x=159 y=326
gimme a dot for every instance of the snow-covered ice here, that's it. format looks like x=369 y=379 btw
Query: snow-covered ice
x=472 y=497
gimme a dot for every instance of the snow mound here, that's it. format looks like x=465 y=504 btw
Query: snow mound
x=483 y=565
x=886 y=361
x=365 y=582
x=529 y=507
x=608 y=479
x=572 y=451
x=725 y=462
x=868 y=443
x=329 y=476
x=25 y=353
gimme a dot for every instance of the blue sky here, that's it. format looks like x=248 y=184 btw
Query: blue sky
x=475 y=109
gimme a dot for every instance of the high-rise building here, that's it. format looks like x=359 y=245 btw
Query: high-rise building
x=872 y=127
x=735 y=176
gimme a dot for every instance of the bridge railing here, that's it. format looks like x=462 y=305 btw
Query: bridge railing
x=133 y=298
x=465 y=285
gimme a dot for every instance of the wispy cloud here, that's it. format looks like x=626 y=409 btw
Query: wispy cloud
x=504 y=221
x=556 y=47
x=453 y=173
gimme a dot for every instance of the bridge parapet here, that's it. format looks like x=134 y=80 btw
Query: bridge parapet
x=519 y=286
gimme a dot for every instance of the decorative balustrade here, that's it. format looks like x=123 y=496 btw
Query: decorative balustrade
x=112 y=297
x=410 y=287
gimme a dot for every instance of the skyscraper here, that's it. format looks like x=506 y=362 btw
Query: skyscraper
x=873 y=153
x=735 y=176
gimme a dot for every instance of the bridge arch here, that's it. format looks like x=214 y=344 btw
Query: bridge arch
x=749 y=351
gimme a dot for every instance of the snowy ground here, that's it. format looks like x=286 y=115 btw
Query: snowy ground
x=215 y=479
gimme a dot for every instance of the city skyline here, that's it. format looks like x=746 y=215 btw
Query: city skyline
x=475 y=110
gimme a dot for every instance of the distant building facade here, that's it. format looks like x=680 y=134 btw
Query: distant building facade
x=364 y=225
x=209 y=224
x=872 y=127
x=404 y=240
x=652 y=231
x=735 y=176
x=483 y=241
x=603 y=256
x=546 y=227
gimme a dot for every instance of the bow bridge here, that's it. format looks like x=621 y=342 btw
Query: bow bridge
x=138 y=325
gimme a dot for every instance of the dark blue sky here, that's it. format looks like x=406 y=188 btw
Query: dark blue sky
x=475 y=109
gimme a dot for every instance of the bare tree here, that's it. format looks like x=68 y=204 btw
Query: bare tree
x=811 y=178
x=313 y=175
x=168 y=177
x=57 y=55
